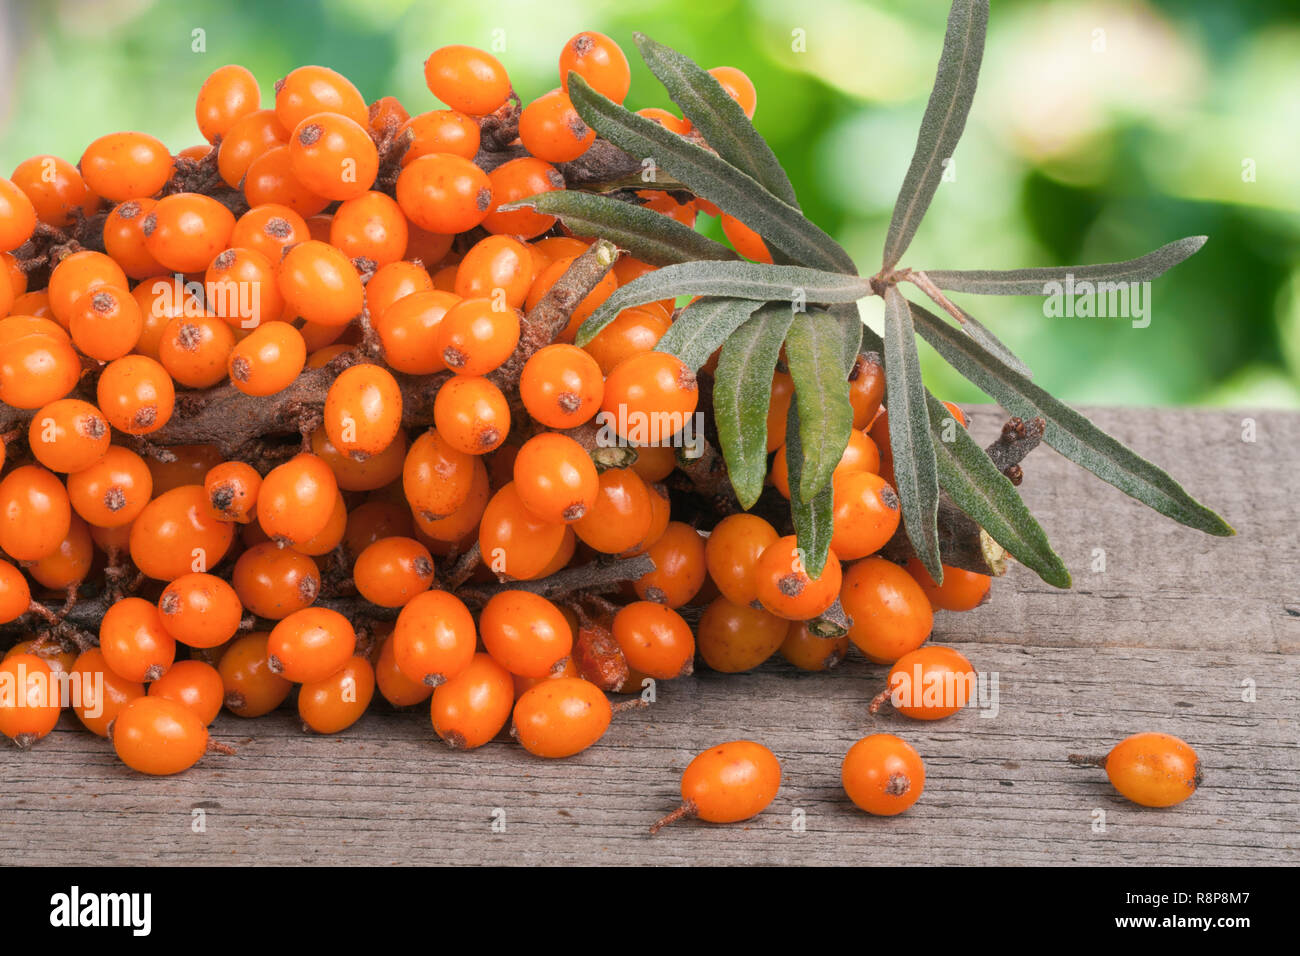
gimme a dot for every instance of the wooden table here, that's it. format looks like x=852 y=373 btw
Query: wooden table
x=1183 y=633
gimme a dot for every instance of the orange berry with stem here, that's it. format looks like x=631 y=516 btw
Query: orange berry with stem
x=232 y=489
x=123 y=166
x=30 y=706
x=317 y=89
x=731 y=555
x=77 y=274
x=17 y=216
x=961 y=590
x=555 y=478
x=369 y=475
x=296 y=499
x=35 y=513
x=680 y=567
x=561 y=386
x=444 y=193
x=738 y=86
x=929 y=683
x=408 y=328
x=195 y=350
x=193 y=684
x=113 y=491
x=866 y=514
x=136 y=394
x=327 y=538
x=465 y=520
x=101 y=693
x=726 y=784
x=370 y=226
x=655 y=462
x=471 y=708
x=866 y=388
x=274 y=582
x=441 y=131
x=37 y=365
x=124 y=239
x=269 y=229
x=551 y=129
x=434 y=639
x=498 y=268
x=655 y=639
x=394 y=686
x=891 y=614
x=185 y=231
x=1150 y=769
x=393 y=282
x=252 y=688
x=471 y=414
x=513 y=541
x=467 y=79
x=229 y=92
x=621 y=515
x=270 y=179
x=268 y=359
x=812 y=652
x=633 y=332
x=475 y=337
x=561 y=717
x=321 y=284
x=363 y=410
x=392 y=571
x=650 y=397
x=68 y=435
x=69 y=563
x=134 y=641
x=883 y=775
x=784 y=586
x=200 y=610
x=336 y=702
x=525 y=633
x=158 y=736
x=515 y=180
x=310 y=644
x=736 y=637
x=436 y=478
x=598 y=60
x=249 y=138
x=56 y=190
x=175 y=534
x=333 y=156
x=242 y=288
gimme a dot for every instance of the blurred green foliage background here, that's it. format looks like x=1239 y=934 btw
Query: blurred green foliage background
x=1102 y=129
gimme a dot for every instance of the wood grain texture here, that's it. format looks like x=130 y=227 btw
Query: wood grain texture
x=1169 y=637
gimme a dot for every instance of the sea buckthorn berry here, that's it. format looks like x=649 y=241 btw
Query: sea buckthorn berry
x=392 y=571
x=669 y=121
x=386 y=113
x=251 y=687
x=158 y=736
x=228 y=93
x=929 y=683
x=436 y=478
x=621 y=515
x=731 y=555
x=333 y=156
x=336 y=702
x=15 y=593
x=551 y=129
x=444 y=193
x=136 y=394
x=310 y=644
x=35 y=515
x=112 y=491
x=425 y=246
x=664 y=203
x=232 y=489
x=38 y=364
x=200 y=610
x=475 y=337
x=519 y=179
x=471 y=708
x=650 y=397
x=680 y=567
x=248 y=139
x=472 y=414
x=320 y=284
x=655 y=462
x=369 y=475
x=467 y=79
x=102 y=693
x=186 y=230
x=297 y=499
x=878 y=432
x=525 y=633
x=68 y=435
x=196 y=350
x=269 y=229
x=56 y=189
x=656 y=640
x=268 y=360
x=961 y=590
x=134 y=641
x=464 y=521
x=738 y=86
x=77 y=274
x=378 y=518
x=318 y=89
x=497 y=268
x=561 y=717
x=555 y=478
x=270 y=179
x=175 y=534
x=784 y=586
x=161 y=300
x=393 y=282
x=867 y=513
x=441 y=131
x=735 y=637
x=363 y=410
x=860 y=454
x=394 y=686
x=274 y=582
x=883 y=775
x=598 y=60
x=812 y=652
x=561 y=386
x=69 y=563
x=550 y=275
x=408 y=328
x=633 y=332
x=727 y=783
x=193 y=684
x=745 y=240
x=242 y=288
x=891 y=614
x=778 y=411
x=370 y=226
x=124 y=239
x=434 y=638
x=123 y=166
x=189 y=465
x=1151 y=769
x=515 y=542
x=957 y=414
x=866 y=389
x=17 y=216
x=29 y=707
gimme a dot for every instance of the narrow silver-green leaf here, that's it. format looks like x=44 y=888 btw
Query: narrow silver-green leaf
x=702 y=328
x=976 y=486
x=1069 y=432
x=851 y=330
x=942 y=125
x=718 y=117
x=648 y=235
x=992 y=344
x=814 y=352
x=915 y=469
x=814 y=519
x=742 y=391
x=707 y=174
x=740 y=280
x=1052 y=280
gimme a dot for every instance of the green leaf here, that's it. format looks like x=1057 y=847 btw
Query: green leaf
x=992 y=344
x=976 y=486
x=915 y=468
x=1070 y=433
x=1050 y=280
x=742 y=391
x=851 y=331
x=813 y=519
x=718 y=117
x=702 y=328
x=814 y=351
x=783 y=227
x=648 y=235
x=942 y=125
x=741 y=280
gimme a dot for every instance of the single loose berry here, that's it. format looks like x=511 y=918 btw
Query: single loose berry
x=929 y=683
x=891 y=614
x=561 y=717
x=158 y=736
x=471 y=708
x=1151 y=769
x=883 y=775
x=727 y=783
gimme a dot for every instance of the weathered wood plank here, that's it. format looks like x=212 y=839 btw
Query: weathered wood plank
x=1162 y=640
